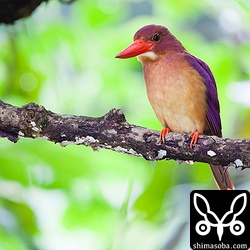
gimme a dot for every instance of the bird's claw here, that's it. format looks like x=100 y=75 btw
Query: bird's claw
x=163 y=133
x=195 y=136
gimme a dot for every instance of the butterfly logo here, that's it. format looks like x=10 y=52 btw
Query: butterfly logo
x=210 y=219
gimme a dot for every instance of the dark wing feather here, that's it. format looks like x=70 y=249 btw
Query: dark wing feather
x=221 y=176
x=213 y=112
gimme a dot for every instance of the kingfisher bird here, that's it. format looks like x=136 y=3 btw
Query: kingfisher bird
x=180 y=87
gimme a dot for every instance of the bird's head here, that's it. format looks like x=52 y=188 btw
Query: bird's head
x=151 y=41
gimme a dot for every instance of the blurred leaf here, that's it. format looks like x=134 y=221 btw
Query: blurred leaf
x=24 y=215
x=151 y=201
x=11 y=242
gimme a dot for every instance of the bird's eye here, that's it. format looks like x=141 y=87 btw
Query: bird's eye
x=156 y=37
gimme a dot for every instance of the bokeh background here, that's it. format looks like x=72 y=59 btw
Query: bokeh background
x=62 y=57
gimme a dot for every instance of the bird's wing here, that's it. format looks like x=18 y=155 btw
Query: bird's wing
x=213 y=112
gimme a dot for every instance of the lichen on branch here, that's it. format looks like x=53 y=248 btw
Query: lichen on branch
x=113 y=132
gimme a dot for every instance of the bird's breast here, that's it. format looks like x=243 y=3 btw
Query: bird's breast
x=176 y=92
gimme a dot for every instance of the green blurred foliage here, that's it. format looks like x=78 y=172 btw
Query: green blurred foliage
x=63 y=58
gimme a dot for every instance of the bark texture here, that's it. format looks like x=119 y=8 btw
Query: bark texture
x=113 y=132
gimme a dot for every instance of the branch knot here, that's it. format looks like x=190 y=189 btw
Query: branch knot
x=115 y=116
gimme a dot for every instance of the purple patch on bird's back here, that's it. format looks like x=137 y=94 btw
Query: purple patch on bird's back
x=213 y=112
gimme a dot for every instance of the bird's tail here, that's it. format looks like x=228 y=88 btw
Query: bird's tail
x=222 y=177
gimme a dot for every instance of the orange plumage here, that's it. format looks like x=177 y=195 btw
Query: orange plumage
x=180 y=88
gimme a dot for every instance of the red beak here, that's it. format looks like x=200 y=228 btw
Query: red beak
x=134 y=49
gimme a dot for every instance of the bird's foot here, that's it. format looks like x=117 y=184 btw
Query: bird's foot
x=195 y=136
x=163 y=134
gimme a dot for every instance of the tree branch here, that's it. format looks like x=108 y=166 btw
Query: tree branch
x=11 y=11
x=113 y=132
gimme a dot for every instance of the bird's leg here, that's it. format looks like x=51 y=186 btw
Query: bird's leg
x=163 y=133
x=194 y=139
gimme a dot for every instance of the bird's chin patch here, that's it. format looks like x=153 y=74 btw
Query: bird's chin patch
x=147 y=55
